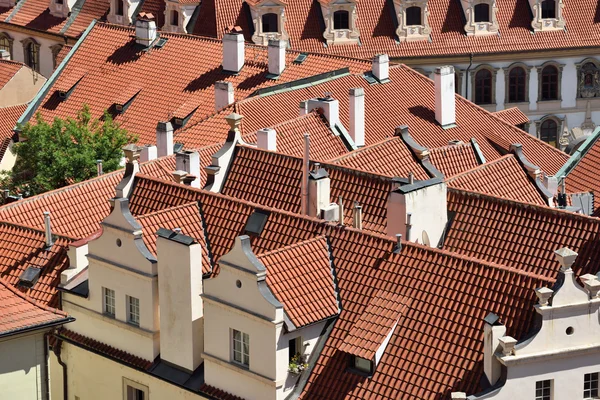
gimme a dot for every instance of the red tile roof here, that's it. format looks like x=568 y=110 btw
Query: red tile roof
x=217 y=393
x=20 y=312
x=583 y=176
x=300 y=277
x=408 y=99
x=8 y=69
x=513 y=116
x=22 y=247
x=503 y=178
x=62 y=54
x=113 y=62
x=377 y=321
x=8 y=120
x=519 y=235
x=453 y=159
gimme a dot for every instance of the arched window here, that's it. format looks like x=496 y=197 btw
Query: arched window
x=4 y=43
x=174 y=18
x=549 y=83
x=549 y=132
x=548 y=9
x=413 y=15
x=483 y=87
x=32 y=54
x=119 y=10
x=341 y=20
x=269 y=22
x=482 y=12
x=517 y=85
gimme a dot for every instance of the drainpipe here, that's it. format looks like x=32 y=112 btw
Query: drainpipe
x=467 y=76
x=57 y=350
x=46 y=381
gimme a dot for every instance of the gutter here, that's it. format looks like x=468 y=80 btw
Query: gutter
x=34 y=328
x=579 y=153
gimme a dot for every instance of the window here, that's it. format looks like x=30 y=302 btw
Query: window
x=269 y=23
x=341 y=20
x=174 y=18
x=482 y=12
x=241 y=348
x=59 y=1
x=549 y=132
x=590 y=386
x=362 y=364
x=517 y=83
x=483 y=87
x=119 y=7
x=413 y=15
x=133 y=310
x=109 y=302
x=543 y=390
x=31 y=54
x=548 y=9
x=550 y=83
x=4 y=43
x=134 y=391
x=295 y=347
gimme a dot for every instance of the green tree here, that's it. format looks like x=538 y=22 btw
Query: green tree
x=54 y=155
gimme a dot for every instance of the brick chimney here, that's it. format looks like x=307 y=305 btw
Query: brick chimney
x=357 y=116
x=330 y=107
x=445 y=99
x=276 y=52
x=145 y=29
x=164 y=139
x=189 y=161
x=233 y=50
x=223 y=94
x=267 y=139
x=381 y=67
x=149 y=153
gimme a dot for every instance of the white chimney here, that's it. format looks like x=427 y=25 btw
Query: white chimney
x=493 y=330
x=189 y=161
x=180 y=304
x=149 y=153
x=233 y=52
x=357 y=116
x=303 y=107
x=276 y=52
x=4 y=55
x=48 y=229
x=164 y=139
x=304 y=186
x=381 y=67
x=330 y=107
x=267 y=139
x=445 y=99
x=145 y=29
x=99 y=167
x=319 y=189
x=223 y=94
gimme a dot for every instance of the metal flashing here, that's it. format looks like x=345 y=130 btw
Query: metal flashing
x=304 y=82
x=492 y=319
x=419 y=185
x=478 y=154
x=175 y=237
x=72 y=15
x=579 y=154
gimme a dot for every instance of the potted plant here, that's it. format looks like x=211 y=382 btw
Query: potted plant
x=297 y=364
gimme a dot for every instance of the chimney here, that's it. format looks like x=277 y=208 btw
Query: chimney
x=190 y=180
x=179 y=296
x=48 y=229
x=99 y=167
x=223 y=94
x=145 y=29
x=357 y=116
x=4 y=55
x=189 y=161
x=398 y=248
x=318 y=191
x=305 y=162
x=276 y=52
x=179 y=176
x=493 y=330
x=149 y=153
x=132 y=167
x=445 y=98
x=164 y=139
x=303 y=107
x=341 y=211
x=330 y=107
x=381 y=67
x=357 y=216
x=267 y=139
x=233 y=51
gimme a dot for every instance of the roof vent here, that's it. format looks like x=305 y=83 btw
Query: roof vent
x=370 y=79
x=161 y=43
x=301 y=58
x=256 y=222
x=29 y=277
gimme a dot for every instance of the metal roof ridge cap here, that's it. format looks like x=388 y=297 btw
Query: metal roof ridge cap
x=73 y=15
x=576 y=157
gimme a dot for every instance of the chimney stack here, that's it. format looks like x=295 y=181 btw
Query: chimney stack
x=330 y=107
x=493 y=330
x=149 y=153
x=267 y=139
x=445 y=98
x=99 y=167
x=189 y=161
x=381 y=67
x=276 y=53
x=319 y=187
x=4 y=55
x=145 y=29
x=357 y=216
x=233 y=51
x=341 y=211
x=357 y=116
x=164 y=139
x=305 y=162
x=303 y=107
x=179 y=176
x=223 y=94
x=48 y=229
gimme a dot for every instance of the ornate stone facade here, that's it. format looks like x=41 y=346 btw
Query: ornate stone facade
x=539 y=23
x=268 y=17
x=340 y=22
x=407 y=29
x=481 y=17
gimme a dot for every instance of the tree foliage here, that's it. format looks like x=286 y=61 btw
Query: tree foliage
x=50 y=156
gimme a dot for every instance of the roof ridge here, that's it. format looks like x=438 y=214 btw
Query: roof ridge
x=34 y=302
x=481 y=167
x=31 y=228
x=154 y=213
x=291 y=246
x=364 y=148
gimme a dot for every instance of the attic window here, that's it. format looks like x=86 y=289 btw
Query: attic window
x=301 y=58
x=119 y=10
x=548 y=9
x=124 y=100
x=413 y=16
x=183 y=114
x=362 y=364
x=269 y=23
x=482 y=12
x=256 y=222
x=29 y=277
x=341 y=20
x=174 y=18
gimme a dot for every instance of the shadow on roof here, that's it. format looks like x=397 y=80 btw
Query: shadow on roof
x=454 y=20
x=130 y=52
x=206 y=80
x=45 y=21
x=426 y=114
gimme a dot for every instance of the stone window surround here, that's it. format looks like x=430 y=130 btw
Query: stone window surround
x=539 y=69
x=474 y=72
x=112 y=16
x=459 y=75
x=262 y=38
x=578 y=66
x=59 y=10
x=6 y=36
x=26 y=42
x=507 y=70
x=341 y=36
x=412 y=33
x=471 y=27
x=129 y=383
x=559 y=124
x=55 y=49
x=540 y=24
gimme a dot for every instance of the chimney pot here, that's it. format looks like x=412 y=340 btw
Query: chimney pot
x=99 y=167
x=4 y=55
x=224 y=94
x=303 y=108
x=276 y=53
x=381 y=67
x=48 y=229
x=357 y=216
x=445 y=97
x=149 y=153
x=132 y=153
x=398 y=243
x=233 y=52
x=267 y=139
x=164 y=139
x=357 y=116
x=145 y=29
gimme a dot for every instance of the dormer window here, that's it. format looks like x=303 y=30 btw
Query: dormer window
x=174 y=18
x=363 y=365
x=119 y=10
x=548 y=9
x=60 y=8
x=268 y=17
x=412 y=20
x=482 y=12
x=269 y=23
x=547 y=15
x=480 y=17
x=178 y=15
x=413 y=16
x=341 y=20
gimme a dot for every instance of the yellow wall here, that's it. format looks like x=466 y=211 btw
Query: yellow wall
x=22 y=367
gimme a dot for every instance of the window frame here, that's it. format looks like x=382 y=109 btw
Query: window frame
x=243 y=342
x=134 y=385
x=550 y=388
x=540 y=70
x=31 y=53
x=420 y=13
x=355 y=365
x=120 y=8
x=593 y=393
x=478 y=6
x=341 y=12
x=507 y=72
x=472 y=90
x=558 y=121
x=105 y=292
x=480 y=96
x=542 y=9
x=132 y=318
x=581 y=70
x=274 y=17
x=9 y=41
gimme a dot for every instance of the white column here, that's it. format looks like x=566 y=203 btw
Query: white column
x=533 y=88
x=500 y=89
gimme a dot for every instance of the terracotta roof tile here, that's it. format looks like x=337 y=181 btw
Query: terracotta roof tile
x=217 y=393
x=513 y=116
x=300 y=277
x=8 y=69
x=18 y=311
x=8 y=120
x=503 y=177
x=91 y=10
x=62 y=54
x=453 y=159
x=583 y=177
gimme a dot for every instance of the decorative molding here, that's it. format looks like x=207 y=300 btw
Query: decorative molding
x=31 y=53
x=340 y=36
x=129 y=7
x=540 y=24
x=559 y=68
x=472 y=76
x=5 y=37
x=409 y=33
x=588 y=78
x=262 y=8
x=184 y=14
x=486 y=28
x=507 y=70
x=55 y=49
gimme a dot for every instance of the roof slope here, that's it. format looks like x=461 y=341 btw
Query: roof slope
x=583 y=176
x=19 y=312
x=503 y=178
x=453 y=159
x=8 y=120
x=8 y=69
x=513 y=116
x=519 y=235
x=300 y=277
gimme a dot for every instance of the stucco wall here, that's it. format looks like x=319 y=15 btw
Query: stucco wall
x=22 y=87
x=46 y=57
x=9 y=159
x=22 y=367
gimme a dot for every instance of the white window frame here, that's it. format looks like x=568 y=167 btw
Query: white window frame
x=109 y=302
x=128 y=383
x=133 y=310
x=545 y=384
x=591 y=378
x=240 y=342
